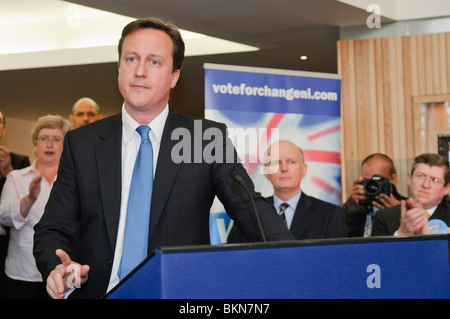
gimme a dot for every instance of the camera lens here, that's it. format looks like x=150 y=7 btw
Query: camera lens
x=372 y=188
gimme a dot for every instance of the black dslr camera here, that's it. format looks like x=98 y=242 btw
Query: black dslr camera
x=374 y=186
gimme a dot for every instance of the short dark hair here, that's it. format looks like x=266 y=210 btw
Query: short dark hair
x=154 y=23
x=432 y=159
x=392 y=169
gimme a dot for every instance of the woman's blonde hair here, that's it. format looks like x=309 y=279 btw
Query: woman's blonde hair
x=49 y=121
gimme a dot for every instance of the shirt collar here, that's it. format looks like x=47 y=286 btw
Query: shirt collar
x=431 y=210
x=156 y=126
x=293 y=201
x=30 y=169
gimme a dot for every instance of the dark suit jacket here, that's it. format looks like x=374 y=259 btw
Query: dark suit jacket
x=387 y=221
x=313 y=219
x=19 y=161
x=82 y=214
x=355 y=214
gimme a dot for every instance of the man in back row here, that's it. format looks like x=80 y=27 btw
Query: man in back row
x=429 y=184
x=8 y=162
x=305 y=216
x=84 y=111
x=359 y=217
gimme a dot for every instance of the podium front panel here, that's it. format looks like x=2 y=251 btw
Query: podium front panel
x=410 y=267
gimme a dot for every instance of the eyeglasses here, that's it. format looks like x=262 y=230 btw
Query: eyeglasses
x=45 y=139
x=422 y=178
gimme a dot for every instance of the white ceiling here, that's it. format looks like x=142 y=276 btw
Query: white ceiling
x=282 y=30
x=45 y=33
x=399 y=10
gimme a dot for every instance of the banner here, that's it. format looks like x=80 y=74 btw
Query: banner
x=260 y=106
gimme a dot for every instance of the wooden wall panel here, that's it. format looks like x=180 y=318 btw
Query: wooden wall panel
x=382 y=82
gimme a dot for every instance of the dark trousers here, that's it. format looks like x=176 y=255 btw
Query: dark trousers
x=17 y=289
x=4 y=239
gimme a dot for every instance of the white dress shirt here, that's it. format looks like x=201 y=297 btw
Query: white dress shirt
x=130 y=147
x=20 y=263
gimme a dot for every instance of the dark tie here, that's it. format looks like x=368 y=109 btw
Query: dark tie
x=282 y=215
x=138 y=210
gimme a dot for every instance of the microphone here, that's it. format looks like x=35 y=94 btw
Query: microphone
x=240 y=181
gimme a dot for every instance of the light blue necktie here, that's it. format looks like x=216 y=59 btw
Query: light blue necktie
x=138 y=211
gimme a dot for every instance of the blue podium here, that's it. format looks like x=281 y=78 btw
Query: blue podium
x=377 y=267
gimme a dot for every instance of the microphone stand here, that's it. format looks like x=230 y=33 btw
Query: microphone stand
x=239 y=179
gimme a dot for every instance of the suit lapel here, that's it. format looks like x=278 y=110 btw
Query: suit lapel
x=442 y=212
x=301 y=216
x=166 y=171
x=109 y=158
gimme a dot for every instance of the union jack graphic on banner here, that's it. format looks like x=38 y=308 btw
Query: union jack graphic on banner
x=302 y=109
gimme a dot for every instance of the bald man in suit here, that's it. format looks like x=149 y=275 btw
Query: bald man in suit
x=305 y=216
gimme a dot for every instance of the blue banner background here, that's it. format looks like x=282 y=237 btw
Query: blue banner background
x=241 y=102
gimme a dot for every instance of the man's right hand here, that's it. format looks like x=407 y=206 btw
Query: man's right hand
x=62 y=277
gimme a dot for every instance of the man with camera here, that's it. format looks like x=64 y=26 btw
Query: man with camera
x=427 y=211
x=375 y=190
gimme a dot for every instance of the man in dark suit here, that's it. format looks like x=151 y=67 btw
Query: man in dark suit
x=305 y=216
x=8 y=162
x=86 y=214
x=429 y=183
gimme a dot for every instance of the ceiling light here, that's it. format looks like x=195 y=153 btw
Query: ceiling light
x=303 y=57
x=48 y=33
